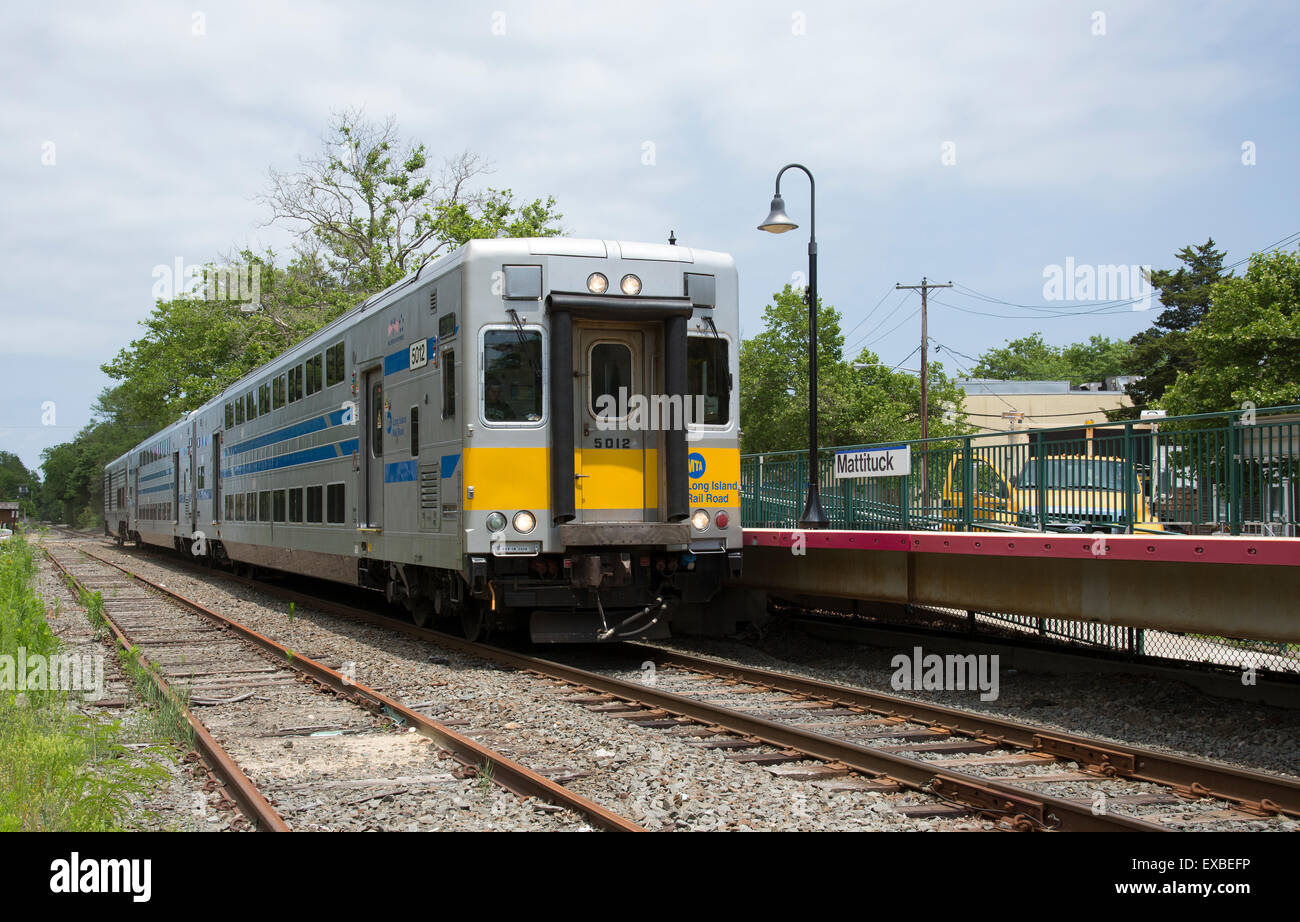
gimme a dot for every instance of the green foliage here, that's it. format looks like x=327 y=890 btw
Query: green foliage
x=1033 y=359
x=1247 y=346
x=1162 y=351
x=854 y=406
x=58 y=770
x=14 y=474
x=374 y=209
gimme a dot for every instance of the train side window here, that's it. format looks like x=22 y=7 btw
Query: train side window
x=313 y=374
x=314 y=504
x=295 y=504
x=334 y=365
x=264 y=506
x=448 y=383
x=335 y=503
x=263 y=399
x=277 y=392
x=295 y=384
x=239 y=507
x=239 y=412
x=230 y=415
x=250 y=406
x=199 y=485
x=415 y=431
x=708 y=376
x=278 y=502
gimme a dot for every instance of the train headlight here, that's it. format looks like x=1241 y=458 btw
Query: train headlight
x=525 y=522
x=496 y=522
x=700 y=520
x=597 y=283
x=631 y=285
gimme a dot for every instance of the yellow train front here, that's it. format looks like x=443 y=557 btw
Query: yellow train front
x=600 y=474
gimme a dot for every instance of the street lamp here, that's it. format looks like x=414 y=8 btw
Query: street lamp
x=778 y=222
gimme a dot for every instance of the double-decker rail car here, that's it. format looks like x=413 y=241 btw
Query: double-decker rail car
x=538 y=433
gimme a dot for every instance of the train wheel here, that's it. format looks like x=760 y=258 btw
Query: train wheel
x=473 y=623
x=422 y=613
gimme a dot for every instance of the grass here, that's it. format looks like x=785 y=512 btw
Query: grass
x=59 y=770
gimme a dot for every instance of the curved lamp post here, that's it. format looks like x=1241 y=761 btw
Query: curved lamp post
x=778 y=222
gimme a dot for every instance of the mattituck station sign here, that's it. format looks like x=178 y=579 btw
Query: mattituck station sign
x=886 y=461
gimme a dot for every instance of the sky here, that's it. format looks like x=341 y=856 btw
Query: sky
x=982 y=143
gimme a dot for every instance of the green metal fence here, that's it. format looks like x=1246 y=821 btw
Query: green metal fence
x=1212 y=473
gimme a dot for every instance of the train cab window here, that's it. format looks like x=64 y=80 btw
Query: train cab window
x=334 y=504
x=295 y=504
x=512 y=376
x=263 y=399
x=334 y=364
x=295 y=384
x=313 y=375
x=278 y=501
x=264 y=506
x=415 y=431
x=708 y=376
x=230 y=415
x=377 y=418
x=611 y=370
x=277 y=393
x=314 y=504
x=448 y=383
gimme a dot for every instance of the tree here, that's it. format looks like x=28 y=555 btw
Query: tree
x=368 y=211
x=1030 y=358
x=375 y=211
x=854 y=406
x=1246 y=345
x=1162 y=351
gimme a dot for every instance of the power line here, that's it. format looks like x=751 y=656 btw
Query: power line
x=869 y=313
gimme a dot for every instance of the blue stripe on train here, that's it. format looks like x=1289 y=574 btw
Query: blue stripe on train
x=401 y=359
x=306 y=427
x=401 y=471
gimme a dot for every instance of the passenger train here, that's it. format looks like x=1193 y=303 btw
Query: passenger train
x=536 y=433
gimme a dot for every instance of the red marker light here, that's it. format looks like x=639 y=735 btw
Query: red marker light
x=720 y=520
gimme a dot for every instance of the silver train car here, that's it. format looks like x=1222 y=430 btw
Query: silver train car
x=528 y=433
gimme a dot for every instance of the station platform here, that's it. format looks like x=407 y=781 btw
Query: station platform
x=1246 y=587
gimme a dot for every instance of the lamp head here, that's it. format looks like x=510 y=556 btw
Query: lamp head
x=777 y=222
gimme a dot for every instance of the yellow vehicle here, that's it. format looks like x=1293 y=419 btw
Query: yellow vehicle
x=1080 y=494
x=1083 y=494
x=993 y=502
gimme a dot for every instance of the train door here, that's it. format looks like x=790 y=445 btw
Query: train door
x=372 y=476
x=611 y=419
x=176 y=486
x=216 y=477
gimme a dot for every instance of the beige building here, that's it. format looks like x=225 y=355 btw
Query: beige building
x=1014 y=407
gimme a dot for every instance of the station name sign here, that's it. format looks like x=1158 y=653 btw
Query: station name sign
x=886 y=461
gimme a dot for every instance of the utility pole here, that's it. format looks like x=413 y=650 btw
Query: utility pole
x=925 y=287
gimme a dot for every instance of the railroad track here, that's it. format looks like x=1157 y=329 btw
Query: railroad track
x=855 y=739
x=271 y=705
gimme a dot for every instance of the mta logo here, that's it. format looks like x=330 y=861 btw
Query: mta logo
x=397 y=325
x=695 y=462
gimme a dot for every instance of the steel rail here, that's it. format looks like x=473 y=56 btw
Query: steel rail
x=242 y=789
x=1027 y=809
x=506 y=772
x=1254 y=791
